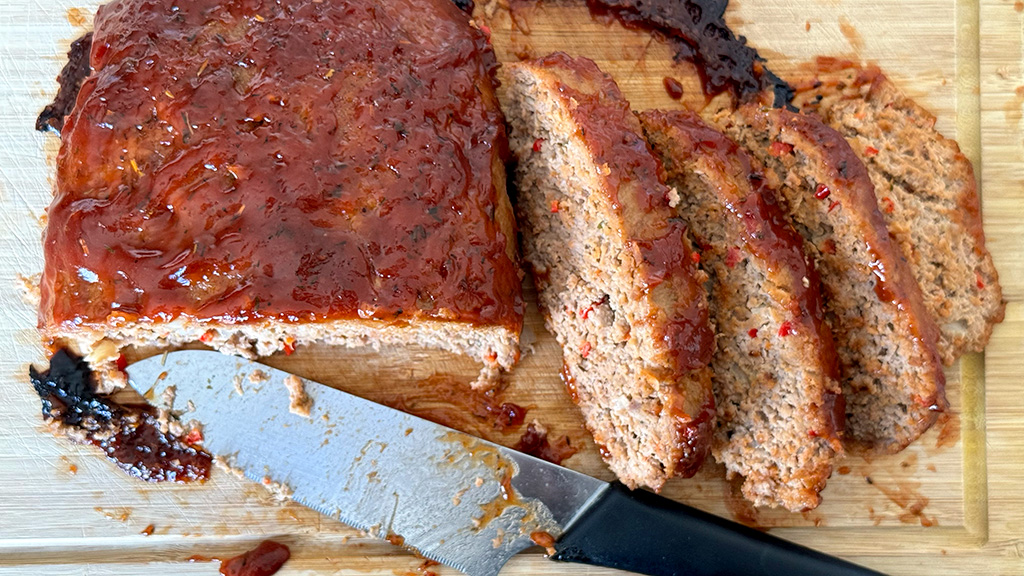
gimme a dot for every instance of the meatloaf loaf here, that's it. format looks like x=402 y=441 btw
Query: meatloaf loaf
x=774 y=371
x=617 y=278
x=886 y=340
x=260 y=175
x=926 y=192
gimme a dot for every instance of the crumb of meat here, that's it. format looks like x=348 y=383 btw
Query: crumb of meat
x=489 y=378
x=299 y=403
x=673 y=197
x=237 y=381
x=28 y=287
x=278 y=491
x=164 y=415
x=257 y=376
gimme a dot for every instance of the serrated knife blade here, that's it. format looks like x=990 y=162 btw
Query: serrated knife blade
x=456 y=499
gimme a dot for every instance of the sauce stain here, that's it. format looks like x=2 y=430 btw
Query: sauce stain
x=906 y=496
x=949 y=430
x=850 y=32
x=77 y=17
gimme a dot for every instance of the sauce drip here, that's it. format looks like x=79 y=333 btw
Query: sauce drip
x=264 y=560
x=236 y=161
x=130 y=436
x=673 y=87
x=535 y=442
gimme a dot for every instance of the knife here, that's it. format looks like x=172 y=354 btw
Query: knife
x=455 y=499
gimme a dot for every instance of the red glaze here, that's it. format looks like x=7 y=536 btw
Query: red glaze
x=673 y=87
x=264 y=560
x=634 y=179
x=767 y=234
x=299 y=160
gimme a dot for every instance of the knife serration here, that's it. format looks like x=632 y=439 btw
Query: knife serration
x=454 y=498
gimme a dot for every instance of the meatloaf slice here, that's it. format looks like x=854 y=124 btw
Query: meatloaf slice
x=926 y=192
x=886 y=340
x=774 y=372
x=616 y=276
x=261 y=175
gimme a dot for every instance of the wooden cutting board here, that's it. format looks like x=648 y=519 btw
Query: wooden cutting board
x=950 y=504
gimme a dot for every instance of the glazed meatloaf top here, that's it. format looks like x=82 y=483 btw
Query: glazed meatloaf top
x=293 y=161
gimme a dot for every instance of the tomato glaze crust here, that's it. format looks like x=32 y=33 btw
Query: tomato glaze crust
x=296 y=161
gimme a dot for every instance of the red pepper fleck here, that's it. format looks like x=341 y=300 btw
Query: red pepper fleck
x=195 y=436
x=753 y=332
x=832 y=205
x=888 y=205
x=207 y=337
x=695 y=256
x=289 y=346
x=537 y=144
x=812 y=433
x=870 y=151
x=786 y=329
x=732 y=257
x=821 y=192
x=779 y=149
x=122 y=362
x=554 y=206
x=486 y=30
x=979 y=281
x=585 y=349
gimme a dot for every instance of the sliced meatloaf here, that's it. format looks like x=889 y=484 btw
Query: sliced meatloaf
x=283 y=173
x=616 y=277
x=886 y=340
x=774 y=371
x=926 y=191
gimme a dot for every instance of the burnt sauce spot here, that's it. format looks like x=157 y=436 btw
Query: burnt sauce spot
x=130 y=436
x=698 y=32
x=70 y=80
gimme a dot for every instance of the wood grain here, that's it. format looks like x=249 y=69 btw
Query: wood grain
x=963 y=59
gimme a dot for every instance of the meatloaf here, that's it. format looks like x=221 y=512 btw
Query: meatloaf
x=926 y=192
x=256 y=176
x=774 y=371
x=886 y=340
x=617 y=278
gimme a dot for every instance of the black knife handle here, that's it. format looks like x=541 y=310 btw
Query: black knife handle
x=643 y=532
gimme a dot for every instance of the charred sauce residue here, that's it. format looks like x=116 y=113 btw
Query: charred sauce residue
x=70 y=80
x=130 y=436
x=263 y=560
x=699 y=33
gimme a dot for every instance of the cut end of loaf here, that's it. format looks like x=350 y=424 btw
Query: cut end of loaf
x=926 y=191
x=495 y=346
x=632 y=321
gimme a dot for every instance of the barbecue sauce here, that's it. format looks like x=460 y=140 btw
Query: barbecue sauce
x=698 y=32
x=130 y=436
x=264 y=560
x=237 y=162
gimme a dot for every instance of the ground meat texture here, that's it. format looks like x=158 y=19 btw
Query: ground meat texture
x=926 y=192
x=616 y=276
x=886 y=341
x=775 y=375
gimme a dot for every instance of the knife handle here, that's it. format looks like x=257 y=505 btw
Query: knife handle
x=643 y=532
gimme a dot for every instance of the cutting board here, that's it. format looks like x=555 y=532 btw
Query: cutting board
x=950 y=504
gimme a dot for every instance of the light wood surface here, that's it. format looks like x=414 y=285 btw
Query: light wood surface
x=65 y=510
